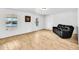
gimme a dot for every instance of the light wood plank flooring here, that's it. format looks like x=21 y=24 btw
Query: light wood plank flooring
x=39 y=40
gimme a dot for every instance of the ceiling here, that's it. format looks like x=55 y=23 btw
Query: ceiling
x=47 y=11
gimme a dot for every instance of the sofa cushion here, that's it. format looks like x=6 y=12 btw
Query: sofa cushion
x=64 y=31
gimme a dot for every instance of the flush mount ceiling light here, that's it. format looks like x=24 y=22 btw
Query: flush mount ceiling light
x=42 y=11
x=43 y=8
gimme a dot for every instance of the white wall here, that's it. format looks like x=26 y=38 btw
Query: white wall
x=49 y=22
x=68 y=18
x=23 y=27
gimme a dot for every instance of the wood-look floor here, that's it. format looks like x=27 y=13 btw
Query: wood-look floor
x=39 y=40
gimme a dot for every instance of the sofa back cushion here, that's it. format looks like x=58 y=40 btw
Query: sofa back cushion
x=61 y=26
x=66 y=27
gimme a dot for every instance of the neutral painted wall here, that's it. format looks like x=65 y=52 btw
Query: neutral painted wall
x=23 y=27
x=49 y=22
x=68 y=18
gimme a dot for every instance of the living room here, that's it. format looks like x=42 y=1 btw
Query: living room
x=37 y=24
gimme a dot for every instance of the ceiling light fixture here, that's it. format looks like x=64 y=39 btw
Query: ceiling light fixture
x=43 y=8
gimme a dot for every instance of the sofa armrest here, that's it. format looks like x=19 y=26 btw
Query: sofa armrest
x=54 y=27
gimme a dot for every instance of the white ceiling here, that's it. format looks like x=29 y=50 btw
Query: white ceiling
x=47 y=11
